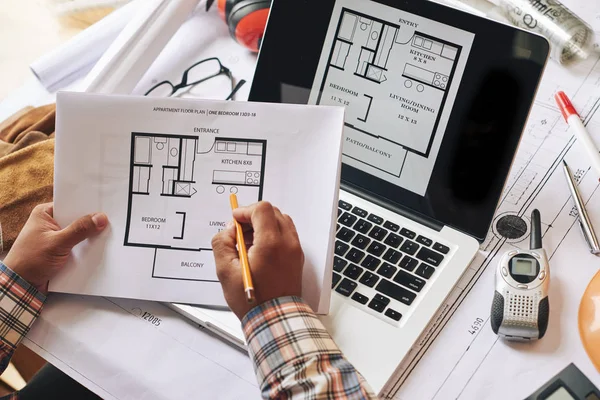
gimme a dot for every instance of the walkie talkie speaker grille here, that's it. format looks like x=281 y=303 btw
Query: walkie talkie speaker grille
x=522 y=309
x=521 y=305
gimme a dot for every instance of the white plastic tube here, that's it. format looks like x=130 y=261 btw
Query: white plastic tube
x=76 y=57
x=137 y=46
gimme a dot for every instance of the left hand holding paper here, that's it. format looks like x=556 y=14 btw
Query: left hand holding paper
x=42 y=248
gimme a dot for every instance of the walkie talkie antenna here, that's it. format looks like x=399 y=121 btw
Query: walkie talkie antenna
x=535 y=241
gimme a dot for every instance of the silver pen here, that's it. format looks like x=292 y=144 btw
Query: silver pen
x=584 y=220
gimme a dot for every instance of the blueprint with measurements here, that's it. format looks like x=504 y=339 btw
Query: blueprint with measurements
x=397 y=75
x=459 y=356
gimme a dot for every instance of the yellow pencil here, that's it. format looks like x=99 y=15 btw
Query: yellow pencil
x=241 y=244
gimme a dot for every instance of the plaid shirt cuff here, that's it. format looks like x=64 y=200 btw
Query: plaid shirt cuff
x=294 y=355
x=20 y=305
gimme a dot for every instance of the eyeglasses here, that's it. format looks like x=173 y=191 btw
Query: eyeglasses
x=200 y=72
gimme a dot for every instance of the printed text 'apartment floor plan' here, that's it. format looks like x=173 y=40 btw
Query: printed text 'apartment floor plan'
x=396 y=74
x=170 y=209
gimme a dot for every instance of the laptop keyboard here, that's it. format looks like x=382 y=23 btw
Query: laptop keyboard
x=393 y=262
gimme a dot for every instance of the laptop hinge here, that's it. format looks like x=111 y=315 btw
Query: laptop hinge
x=380 y=201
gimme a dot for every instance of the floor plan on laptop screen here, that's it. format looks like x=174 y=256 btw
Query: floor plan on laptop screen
x=170 y=209
x=397 y=75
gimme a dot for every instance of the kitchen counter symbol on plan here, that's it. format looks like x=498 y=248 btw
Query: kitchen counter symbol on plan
x=179 y=189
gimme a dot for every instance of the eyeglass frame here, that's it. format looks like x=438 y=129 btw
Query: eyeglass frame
x=184 y=83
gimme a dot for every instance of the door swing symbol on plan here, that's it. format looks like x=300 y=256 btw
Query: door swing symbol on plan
x=179 y=190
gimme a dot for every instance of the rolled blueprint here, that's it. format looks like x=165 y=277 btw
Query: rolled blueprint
x=137 y=46
x=76 y=57
x=571 y=38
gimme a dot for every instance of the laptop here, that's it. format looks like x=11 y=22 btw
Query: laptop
x=436 y=101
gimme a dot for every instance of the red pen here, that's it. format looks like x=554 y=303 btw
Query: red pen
x=581 y=133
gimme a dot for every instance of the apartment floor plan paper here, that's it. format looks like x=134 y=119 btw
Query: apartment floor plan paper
x=397 y=75
x=178 y=185
x=163 y=169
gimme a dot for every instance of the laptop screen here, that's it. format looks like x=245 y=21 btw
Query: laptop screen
x=436 y=99
x=397 y=74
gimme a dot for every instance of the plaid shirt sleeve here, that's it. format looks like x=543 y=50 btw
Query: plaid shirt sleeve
x=295 y=357
x=20 y=305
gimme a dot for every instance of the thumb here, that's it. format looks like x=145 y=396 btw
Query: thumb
x=82 y=229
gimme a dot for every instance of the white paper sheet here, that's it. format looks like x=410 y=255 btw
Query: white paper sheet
x=163 y=169
x=131 y=349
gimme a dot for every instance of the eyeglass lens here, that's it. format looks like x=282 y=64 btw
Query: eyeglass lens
x=203 y=70
x=197 y=73
x=163 y=89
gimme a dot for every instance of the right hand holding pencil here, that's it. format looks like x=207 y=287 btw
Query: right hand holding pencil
x=274 y=254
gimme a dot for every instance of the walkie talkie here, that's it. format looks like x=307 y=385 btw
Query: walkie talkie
x=520 y=309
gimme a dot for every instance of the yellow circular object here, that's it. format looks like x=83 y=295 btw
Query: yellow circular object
x=589 y=320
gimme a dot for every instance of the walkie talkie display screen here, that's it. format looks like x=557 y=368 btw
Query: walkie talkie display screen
x=560 y=394
x=523 y=266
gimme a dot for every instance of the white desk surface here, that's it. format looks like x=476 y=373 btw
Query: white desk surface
x=109 y=347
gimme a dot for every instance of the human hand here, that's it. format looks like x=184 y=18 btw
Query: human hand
x=274 y=254
x=42 y=248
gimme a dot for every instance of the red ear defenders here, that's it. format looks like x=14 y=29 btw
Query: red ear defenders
x=246 y=20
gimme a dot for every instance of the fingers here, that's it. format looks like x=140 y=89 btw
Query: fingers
x=248 y=239
x=83 y=228
x=47 y=208
x=286 y=225
x=226 y=257
x=290 y=226
x=263 y=217
x=223 y=245
x=260 y=215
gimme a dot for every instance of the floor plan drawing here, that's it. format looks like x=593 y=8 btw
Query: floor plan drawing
x=395 y=80
x=397 y=76
x=179 y=196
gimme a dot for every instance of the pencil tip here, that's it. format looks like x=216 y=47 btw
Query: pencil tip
x=565 y=163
